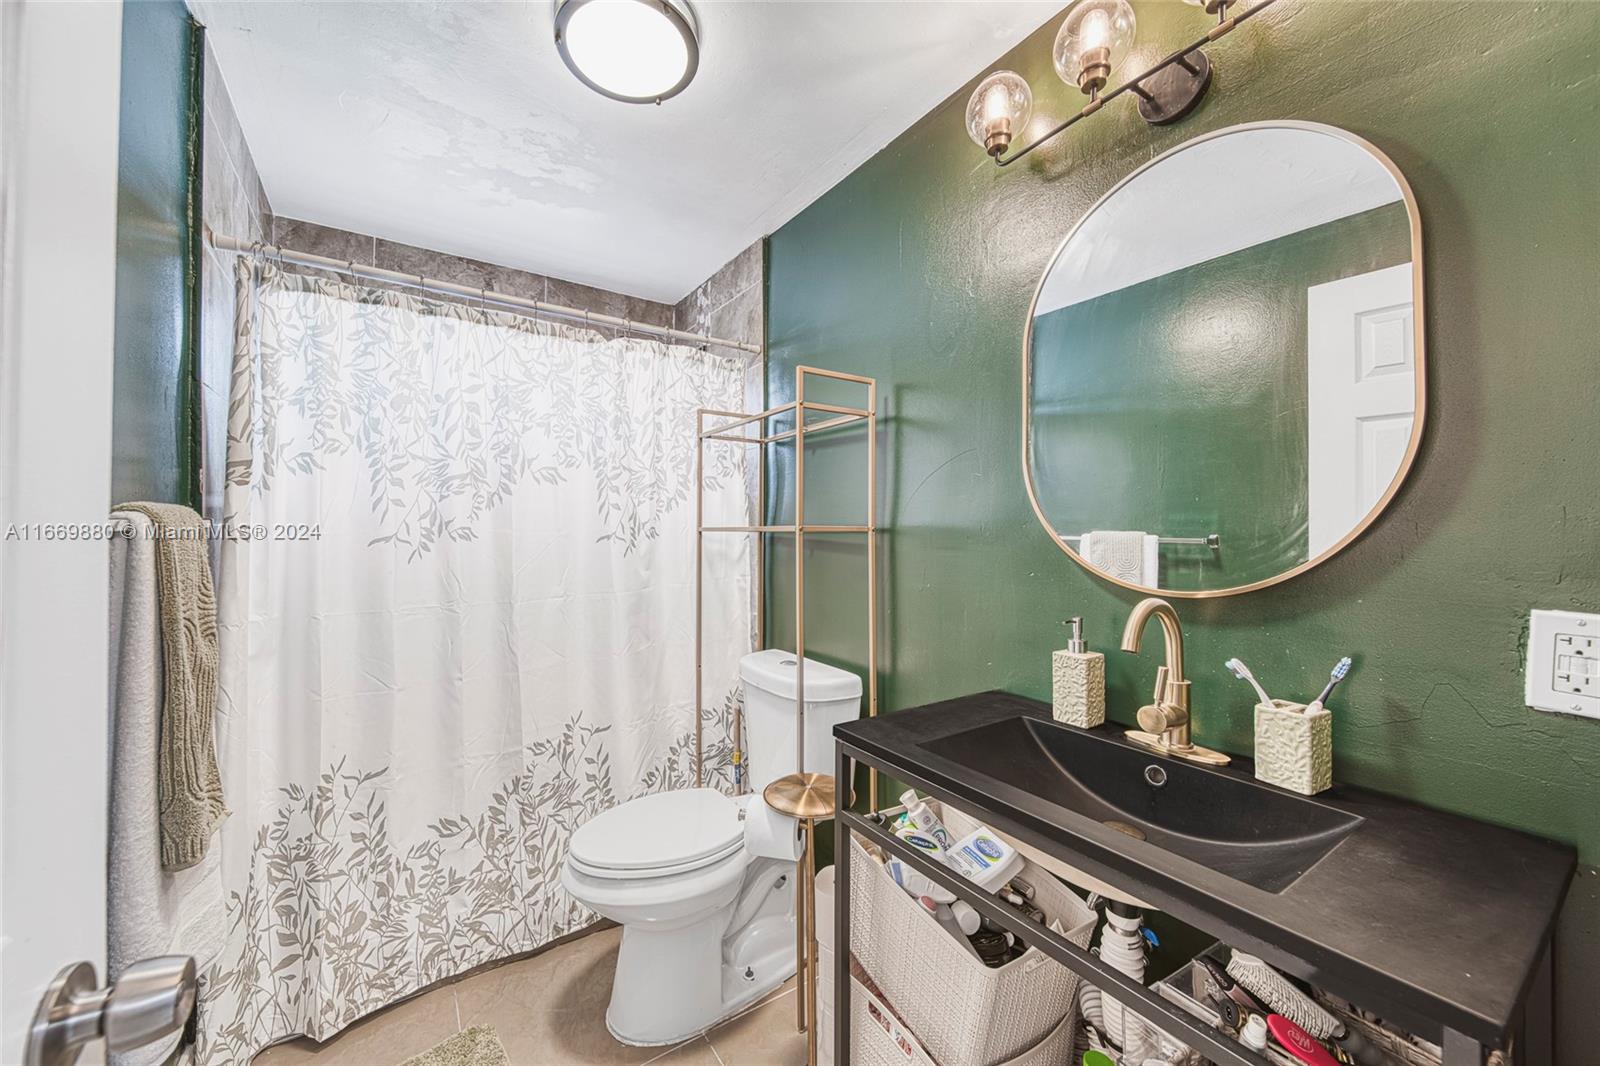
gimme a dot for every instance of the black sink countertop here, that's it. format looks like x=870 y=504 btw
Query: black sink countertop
x=1429 y=918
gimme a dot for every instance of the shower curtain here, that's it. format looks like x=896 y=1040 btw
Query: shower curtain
x=456 y=600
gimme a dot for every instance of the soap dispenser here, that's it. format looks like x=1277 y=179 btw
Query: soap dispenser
x=1078 y=682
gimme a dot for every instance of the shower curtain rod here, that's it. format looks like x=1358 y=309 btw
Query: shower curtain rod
x=322 y=262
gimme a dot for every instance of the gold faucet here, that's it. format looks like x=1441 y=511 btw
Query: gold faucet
x=1164 y=724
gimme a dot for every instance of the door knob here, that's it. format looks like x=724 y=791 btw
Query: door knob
x=153 y=998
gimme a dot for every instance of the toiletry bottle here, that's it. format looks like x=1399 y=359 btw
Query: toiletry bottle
x=922 y=816
x=923 y=843
x=1078 y=682
x=1254 y=1034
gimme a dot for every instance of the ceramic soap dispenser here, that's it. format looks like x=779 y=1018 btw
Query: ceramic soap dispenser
x=1078 y=682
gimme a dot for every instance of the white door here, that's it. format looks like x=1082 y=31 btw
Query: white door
x=59 y=93
x=1361 y=387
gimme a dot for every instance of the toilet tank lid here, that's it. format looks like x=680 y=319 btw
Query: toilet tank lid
x=773 y=671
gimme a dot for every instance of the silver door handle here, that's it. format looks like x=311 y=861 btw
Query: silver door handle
x=153 y=998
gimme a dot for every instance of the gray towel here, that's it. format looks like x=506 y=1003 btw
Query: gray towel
x=189 y=784
x=149 y=911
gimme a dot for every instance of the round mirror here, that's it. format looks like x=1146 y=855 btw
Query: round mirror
x=1223 y=366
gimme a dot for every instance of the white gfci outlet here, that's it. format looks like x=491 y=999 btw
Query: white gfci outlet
x=1563 y=673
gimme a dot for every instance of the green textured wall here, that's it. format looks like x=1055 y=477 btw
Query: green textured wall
x=918 y=268
x=153 y=428
x=1114 y=394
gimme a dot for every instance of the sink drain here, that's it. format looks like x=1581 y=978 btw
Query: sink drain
x=1123 y=827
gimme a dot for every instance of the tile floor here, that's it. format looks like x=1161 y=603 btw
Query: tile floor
x=549 y=1010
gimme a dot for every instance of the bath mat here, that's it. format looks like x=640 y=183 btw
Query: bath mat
x=478 y=1046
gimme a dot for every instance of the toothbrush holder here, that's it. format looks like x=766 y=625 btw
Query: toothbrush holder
x=1294 y=750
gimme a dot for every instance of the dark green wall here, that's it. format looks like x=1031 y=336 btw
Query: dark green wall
x=918 y=269
x=153 y=427
x=1125 y=437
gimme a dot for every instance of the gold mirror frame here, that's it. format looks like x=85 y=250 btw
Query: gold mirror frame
x=1418 y=320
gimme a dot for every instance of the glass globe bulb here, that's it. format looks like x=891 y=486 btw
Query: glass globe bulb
x=999 y=108
x=1092 y=40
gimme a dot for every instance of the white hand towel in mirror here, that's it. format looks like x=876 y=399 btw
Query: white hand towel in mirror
x=1127 y=555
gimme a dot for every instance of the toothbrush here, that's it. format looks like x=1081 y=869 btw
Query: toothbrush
x=1340 y=668
x=1242 y=672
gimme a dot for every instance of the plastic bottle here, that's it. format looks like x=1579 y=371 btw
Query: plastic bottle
x=923 y=818
x=947 y=921
x=924 y=843
x=1254 y=1034
x=915 y=883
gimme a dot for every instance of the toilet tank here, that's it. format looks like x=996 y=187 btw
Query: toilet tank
x=832 y=696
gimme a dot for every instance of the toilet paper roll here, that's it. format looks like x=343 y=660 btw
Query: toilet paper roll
x=769 y=834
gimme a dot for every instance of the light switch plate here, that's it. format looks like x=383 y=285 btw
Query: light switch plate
x=1563 y=672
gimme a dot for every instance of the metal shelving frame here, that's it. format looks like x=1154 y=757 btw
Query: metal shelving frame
x=740 y=428
x=799 y=529
x=1537 y=1030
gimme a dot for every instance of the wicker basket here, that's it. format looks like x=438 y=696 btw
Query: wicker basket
x=964 y=1013
x=879 y=1038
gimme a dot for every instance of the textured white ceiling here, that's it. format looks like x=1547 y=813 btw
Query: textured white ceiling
x=454 y=125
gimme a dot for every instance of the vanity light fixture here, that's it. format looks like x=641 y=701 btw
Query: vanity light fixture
x=999 y=107
x=1094 y=37
x=636 y=51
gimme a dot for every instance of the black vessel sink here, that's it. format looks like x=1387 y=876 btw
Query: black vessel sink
x=1238 y=827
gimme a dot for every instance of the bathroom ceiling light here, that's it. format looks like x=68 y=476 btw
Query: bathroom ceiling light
x=636 y=51
x=1093 y=38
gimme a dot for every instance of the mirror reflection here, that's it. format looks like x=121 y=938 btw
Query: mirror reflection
x=1223 y=375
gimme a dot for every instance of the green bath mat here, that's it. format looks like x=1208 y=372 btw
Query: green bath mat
x=478 y=1046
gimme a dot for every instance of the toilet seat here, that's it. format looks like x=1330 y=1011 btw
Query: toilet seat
x=659 y=835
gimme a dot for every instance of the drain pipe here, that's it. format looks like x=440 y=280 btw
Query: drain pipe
x=1122 y=947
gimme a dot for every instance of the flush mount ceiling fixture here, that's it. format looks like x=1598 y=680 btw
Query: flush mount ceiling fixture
x=636 y=51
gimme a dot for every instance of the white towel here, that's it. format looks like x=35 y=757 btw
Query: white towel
x=149 y=911
x=1127 y=555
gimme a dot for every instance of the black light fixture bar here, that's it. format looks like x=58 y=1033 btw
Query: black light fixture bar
x=1132 y=85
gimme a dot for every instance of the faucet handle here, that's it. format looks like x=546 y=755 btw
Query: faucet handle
x=1161 y=685
x=1160 y=717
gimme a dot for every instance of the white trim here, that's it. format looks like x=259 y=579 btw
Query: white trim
x=62 y=98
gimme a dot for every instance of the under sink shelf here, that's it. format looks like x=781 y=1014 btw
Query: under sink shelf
x=1375 y=899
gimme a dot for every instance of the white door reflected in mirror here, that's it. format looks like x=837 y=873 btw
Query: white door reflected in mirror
x=1361 y=370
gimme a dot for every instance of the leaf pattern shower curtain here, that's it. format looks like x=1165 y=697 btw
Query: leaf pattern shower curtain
x=457 y=621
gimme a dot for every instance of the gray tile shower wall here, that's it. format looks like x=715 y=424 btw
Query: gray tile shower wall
x=335 y=243
x=730 y=303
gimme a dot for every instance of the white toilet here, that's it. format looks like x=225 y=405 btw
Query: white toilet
x=702 y=883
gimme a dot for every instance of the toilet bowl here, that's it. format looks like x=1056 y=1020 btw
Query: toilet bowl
x=703 y=883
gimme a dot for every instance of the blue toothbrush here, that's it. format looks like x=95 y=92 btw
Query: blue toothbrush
x=1340 y=668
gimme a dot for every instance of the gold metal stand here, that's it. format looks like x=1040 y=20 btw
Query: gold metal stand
x=808 y=797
